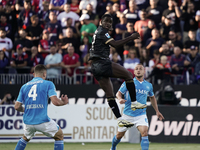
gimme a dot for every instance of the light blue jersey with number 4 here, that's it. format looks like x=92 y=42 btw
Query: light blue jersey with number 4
x=143 y=90
x=34 y=95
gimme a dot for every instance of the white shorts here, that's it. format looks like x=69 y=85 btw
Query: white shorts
x=48 y=128
x=137 y=121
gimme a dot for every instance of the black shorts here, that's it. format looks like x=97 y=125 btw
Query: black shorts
x=101 y=68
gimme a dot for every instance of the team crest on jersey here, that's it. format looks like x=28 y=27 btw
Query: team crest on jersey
x=107 y=35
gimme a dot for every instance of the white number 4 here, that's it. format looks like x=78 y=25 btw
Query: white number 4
x=32 y=92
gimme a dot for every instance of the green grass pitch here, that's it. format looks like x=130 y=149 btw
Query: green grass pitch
x=102 y=146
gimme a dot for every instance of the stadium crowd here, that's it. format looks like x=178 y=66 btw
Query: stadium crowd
x=58 y=34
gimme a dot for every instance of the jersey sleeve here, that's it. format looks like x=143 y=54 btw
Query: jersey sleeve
x=151 y=93
x=105 y=36
x=123 y=88
x=20 y=96
x=52 y=89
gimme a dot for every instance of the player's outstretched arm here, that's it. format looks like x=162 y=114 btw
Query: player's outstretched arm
x=119 y=97
x=119 y=43
x=155 y=106
x=64 y=100
x=19 y=107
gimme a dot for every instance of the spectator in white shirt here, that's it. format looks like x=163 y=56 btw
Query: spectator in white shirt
x=5 y=43
x=83 y=4
x=67 y=14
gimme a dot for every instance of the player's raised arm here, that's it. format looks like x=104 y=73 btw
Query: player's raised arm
x=119 y=97
x=119 y=43
x=155 y=106
x=64 y=100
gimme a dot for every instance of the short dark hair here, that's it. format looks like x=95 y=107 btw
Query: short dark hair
x=39 y=68
x=106 y=15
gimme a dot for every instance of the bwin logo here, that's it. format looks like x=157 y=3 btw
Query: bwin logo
x=174 y=128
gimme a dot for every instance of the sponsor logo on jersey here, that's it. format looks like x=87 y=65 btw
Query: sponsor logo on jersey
x=107 y=35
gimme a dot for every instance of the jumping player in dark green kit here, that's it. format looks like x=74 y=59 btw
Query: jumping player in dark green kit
x=102 y=68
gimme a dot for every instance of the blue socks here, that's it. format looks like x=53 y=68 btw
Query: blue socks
x=115 y=141
x=58 y=145
x=145 y=143
x=21 y=144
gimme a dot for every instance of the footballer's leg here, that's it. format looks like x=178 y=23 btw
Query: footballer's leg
x=117 y=139
x=107 y=86
x=59 y=144
x=120 y=72
x=144 y=133
x=21 y=145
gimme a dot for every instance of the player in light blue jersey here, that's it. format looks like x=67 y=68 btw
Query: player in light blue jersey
x=34 y=95
x=137 y=117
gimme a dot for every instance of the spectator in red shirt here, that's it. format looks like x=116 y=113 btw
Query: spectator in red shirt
x=44 y=46
x=74 y=6
x=19 y=60
x=70 y=61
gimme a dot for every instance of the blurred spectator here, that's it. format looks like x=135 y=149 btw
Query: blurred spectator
x=122 y=5
x=154 y=12
x=84 y=48
x=11 y=19
x=144 y=58
x=166 y=27
x=74 y=6
x=5 y=43
x=25 y=15
x=19 y=60
x=34 y=30
x=112 y=51
x=35 y=58
x=166 y=50
x=116 y=58
x=43 y=13
x=44 y=45
x=26 y=44
x=155 y=60
x=87 y=28
x=173 y=12
x=142 y=4
x=138 y=47
x=132 y=13
x=54 y=28
x=177 y=61
x=192 y=59
x=37 y=5
x=52 y=62
x=147 y=32
x=163 y=4
x=70 y=40
x=127 y=33
x=116 y=8
x=101 y=7
x=173 y=40
x=57 y=5
x=109 y=10
x=83 y=4
x=7 y=99
x=19 y=6
x=4 y=62
x=67 y=14
x=120 y=28
x=94 y=18
x=69 y=25
x=7 y=27
x=70 y=61
x=162 y=71
x=154 y=43
x=190 y=23
x=141 y=25
x=191 y=42
x=132 y=61
x=197 y=18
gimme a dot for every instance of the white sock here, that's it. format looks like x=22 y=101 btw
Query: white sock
x=134 y=102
